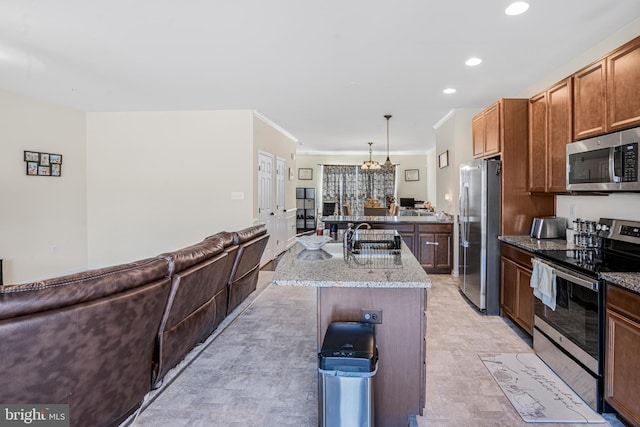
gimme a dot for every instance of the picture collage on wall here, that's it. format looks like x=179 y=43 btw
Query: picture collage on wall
x=43 y=164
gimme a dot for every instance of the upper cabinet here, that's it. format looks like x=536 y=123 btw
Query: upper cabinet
x=486 y=132
x=623 y=86
x=589 y=110
x=605 y=93
x=503 y=130
x=549 y=134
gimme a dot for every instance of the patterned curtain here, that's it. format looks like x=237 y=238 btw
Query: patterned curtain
x=350 y=184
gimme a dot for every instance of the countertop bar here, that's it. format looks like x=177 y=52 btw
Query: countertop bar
x=327 y=268
x=423 y=219
x=629 y=281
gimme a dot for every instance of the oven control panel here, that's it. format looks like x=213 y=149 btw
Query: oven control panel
x=626 y=230
x=623 y=230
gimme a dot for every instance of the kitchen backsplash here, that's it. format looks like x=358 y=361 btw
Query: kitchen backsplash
x=619 y=206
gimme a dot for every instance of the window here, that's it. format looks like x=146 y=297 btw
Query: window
x=350 y=184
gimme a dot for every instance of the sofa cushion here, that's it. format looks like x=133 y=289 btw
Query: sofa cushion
x=249 y=233
x=226 y=237
x=191 y=255
x=19 y=300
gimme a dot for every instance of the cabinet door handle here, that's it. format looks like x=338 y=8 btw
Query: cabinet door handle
x=432 y=243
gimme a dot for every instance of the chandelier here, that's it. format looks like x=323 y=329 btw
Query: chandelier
x=370 y=164
x=388 y=162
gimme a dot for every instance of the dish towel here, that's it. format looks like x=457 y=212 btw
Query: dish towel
x=543 y=282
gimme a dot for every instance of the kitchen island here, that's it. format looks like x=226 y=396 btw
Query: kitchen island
x=429 y=237
x=399 y=290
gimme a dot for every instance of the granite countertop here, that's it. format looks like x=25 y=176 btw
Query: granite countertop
x=629 y=281
x=327 y=268
x=533 y=245
x=422 y=219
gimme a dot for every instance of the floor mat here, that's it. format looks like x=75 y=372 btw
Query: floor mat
x=535 y=391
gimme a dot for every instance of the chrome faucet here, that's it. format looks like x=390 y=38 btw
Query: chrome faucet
x=348 y=236
x=361 y=224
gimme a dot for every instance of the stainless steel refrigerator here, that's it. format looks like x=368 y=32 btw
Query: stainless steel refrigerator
x=479 y=227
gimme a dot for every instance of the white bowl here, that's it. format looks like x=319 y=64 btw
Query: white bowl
x=313 y=243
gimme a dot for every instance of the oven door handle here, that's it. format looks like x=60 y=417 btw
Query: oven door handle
x=573 y=277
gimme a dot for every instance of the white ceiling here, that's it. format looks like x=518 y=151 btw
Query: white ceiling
x=324 y=71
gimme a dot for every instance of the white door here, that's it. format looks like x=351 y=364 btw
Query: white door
x=265 y=202
x=281 y=206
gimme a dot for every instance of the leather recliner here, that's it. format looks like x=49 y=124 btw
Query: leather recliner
x=251 y=242
x=85 y=339
x=198 y=300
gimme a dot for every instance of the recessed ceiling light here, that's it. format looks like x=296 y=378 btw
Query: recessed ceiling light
x=517 y=8
x=449 y=91
x=472 y=62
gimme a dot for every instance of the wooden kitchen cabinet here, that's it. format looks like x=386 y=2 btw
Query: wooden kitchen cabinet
x=406 y=231
x=622 y=364
x=549 y=133
x=605 y=93
x=623 y=86
x=589 y=102
x=431 y=244
x=434 y=251
x=486 y=132
x=518 y=206
x=516 y=294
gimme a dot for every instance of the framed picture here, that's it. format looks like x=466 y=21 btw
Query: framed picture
x=56 y=169
x=443 y=159
x=44 y=159
x=31 y=156
x=32 y=168
x=305 y=174
x=43 y=164
x=412 y=175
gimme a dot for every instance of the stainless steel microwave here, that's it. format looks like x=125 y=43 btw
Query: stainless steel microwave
x=605 y=163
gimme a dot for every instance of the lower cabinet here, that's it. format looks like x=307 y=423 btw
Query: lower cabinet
x=516 y=294
x=622 y=364
x=434 y=248
x=429 y=243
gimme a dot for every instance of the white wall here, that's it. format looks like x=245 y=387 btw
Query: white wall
x=267 y=137
x=453 y=134
x=42 y=219
x=158 y=181
x=416 y=189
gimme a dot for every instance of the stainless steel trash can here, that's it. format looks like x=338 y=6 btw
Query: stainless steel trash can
x=347 y=365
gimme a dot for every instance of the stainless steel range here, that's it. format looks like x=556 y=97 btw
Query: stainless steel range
x=570 y=339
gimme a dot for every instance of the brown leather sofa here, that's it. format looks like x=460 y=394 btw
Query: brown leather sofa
x=198 y=300
x=85 y=339
x=101 y=339
x=251 y=243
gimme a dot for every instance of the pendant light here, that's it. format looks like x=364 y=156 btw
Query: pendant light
x=370 y=164
x=388 y=162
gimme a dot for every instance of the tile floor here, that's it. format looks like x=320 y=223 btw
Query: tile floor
x=259 y=367
x=460 y=390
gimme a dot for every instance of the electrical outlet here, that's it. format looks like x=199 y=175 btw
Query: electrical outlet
x=572 y=211
x=371 y=315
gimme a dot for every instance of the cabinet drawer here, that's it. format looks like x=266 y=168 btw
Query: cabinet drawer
x=401 y=228
x=517 y=255
x=435 y=228
x=623 y=301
